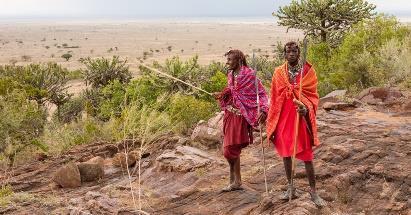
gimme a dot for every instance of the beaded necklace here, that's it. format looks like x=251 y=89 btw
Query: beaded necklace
x=293 y=72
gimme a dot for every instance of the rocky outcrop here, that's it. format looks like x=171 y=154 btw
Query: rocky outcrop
x=380 y=95
x=362 y=167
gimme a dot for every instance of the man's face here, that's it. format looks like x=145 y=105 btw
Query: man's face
x=292 y=54
x=232 y=62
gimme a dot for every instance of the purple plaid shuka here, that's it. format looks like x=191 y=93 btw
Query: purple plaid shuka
x=243 y=93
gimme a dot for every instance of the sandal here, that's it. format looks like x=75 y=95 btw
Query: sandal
x=286 y=194
x=231 y=187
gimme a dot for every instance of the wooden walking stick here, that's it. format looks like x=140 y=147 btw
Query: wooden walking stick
x=174 y=78
x=260 y=127
x=297 y=122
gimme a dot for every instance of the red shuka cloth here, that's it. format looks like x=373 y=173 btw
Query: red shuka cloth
x=237 y=132
x=237 y=135
x=282 y=113
x=284 y=134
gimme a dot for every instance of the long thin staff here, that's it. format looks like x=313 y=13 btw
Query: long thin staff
x=174 y=78
x=297 y=122
x=260 y=128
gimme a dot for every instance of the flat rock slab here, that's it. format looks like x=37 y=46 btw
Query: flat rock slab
x=337 y=106
x=183 y=159
x=94 y=203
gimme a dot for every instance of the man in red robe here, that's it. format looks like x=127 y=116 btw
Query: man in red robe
x=282 y=115
x=239 y=102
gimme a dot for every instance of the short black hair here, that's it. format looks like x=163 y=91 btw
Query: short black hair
x=291 y=43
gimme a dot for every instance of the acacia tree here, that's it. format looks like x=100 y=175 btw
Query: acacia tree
x=67 y=56
x=46 y=82
x=41 y=82
x=324 y=19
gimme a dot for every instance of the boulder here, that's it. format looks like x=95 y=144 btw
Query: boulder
x=209 y=133
x=183 y=159
x=41 y=156
x=216 y=121
x=90 y=171
x=206 y=135
x=98 y=160
x=119 y=159
x=334 y=96
x=68 y=176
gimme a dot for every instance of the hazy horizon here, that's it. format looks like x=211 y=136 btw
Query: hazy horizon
x=160 y=9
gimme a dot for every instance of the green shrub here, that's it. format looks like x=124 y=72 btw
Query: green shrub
x=101 y=71
x=144 y=124
x=7 y=85
x=75 y=74
x=359 y=50
x=186 y=111
x=265 y=68
x=212 y=68
x=364 y=58
x=6 y=192
x=394 y=63
x=144 y=90
x=60 y=138
x=110 y=100
x=216 y=83
x=21 y=125
x=93 y=99
x=113 y=100
x=319 y=55
x=188 y=71
x=209 y=78
x=71 y=110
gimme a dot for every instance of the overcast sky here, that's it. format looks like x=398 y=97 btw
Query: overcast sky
x=163 y=8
